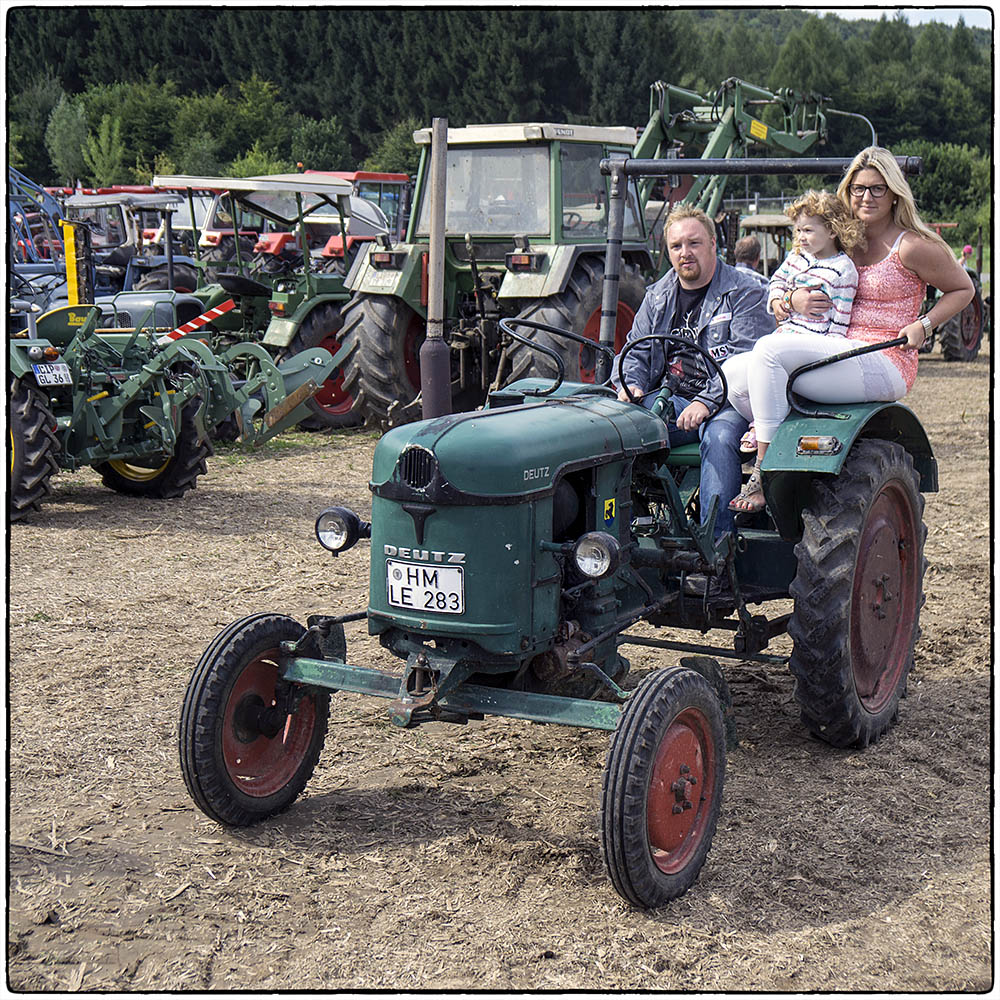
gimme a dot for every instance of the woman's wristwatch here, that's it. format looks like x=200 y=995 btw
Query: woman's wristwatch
x=925 y=322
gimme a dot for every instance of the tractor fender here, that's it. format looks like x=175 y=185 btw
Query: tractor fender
x=560 y=260
x=788 y=471
x=282 y=330
x=60 y=325
x=18 y=361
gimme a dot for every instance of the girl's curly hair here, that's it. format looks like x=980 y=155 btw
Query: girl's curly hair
x=848 y=232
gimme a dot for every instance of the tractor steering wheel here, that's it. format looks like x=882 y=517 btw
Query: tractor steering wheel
x=684 y=346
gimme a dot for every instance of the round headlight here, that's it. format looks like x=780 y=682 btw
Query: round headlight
x=35 y=353
x=337 y=528
x=596 y=554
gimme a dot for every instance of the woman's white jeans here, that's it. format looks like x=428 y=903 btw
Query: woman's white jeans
x=758 y=378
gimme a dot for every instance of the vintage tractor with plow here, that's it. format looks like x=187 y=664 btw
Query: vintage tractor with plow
x=137 y=405
x=513 y=549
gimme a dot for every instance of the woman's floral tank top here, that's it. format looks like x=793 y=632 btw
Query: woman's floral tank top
x=889 y=297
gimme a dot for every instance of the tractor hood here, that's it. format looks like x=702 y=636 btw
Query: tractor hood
x=510 y=453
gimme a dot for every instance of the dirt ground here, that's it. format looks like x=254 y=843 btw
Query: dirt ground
x=464 y=858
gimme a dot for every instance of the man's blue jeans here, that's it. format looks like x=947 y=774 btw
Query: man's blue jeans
x=721 y=462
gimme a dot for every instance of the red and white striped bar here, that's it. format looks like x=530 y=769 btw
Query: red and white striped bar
x=199 y=321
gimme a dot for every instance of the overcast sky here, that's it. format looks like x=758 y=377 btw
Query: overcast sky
x=975 y=17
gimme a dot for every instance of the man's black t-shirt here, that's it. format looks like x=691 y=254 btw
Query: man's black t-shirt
x=686 y=373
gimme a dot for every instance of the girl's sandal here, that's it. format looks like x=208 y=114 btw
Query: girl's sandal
x=751 y=498
x=748 y=443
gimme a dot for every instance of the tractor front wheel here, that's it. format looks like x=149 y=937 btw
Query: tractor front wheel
x=663 y=787
x=858 y=591
x=248 y=740
x=34 y=448
x=331 y=407
x=577 y=309
x=962 y=335
x=164 y=477
x=385 y=365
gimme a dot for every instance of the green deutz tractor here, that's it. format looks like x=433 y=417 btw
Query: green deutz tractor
x=512 y=550
x=138 y=405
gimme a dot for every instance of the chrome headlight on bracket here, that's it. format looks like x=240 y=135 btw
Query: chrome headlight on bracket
x=597 y=554
x=338 y=529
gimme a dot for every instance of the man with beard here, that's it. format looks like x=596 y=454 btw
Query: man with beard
x=724 y=311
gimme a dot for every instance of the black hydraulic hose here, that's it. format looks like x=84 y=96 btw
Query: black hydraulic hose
x=813 y=365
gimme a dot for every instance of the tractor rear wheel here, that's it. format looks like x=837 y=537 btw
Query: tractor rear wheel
x=185 y=279
x=663 y=787
x=962 y=335
x=34 y=448
x=248 y=741
x=166 y=476
x=331 y=407
x=385 y=365
x=858 y=591
x=577 y=309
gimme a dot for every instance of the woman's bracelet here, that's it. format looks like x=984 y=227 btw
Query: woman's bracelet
x=786 y=300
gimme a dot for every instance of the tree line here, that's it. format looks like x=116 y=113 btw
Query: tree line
x=116 y=94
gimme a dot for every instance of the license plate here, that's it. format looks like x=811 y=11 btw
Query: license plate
x=419 y=587
x=54 y=374
x=381 y=279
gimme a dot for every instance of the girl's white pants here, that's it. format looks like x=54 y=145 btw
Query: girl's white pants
x=758 y=378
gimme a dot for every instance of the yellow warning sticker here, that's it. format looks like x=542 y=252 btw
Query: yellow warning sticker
x=758 y=129
x=609 y=511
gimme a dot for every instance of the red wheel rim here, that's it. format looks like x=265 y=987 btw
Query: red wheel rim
x=257 y=764
x=416 y=330
x=680 y=791
x=884 y=596
x=332 y=395
x=971 y=320
x=592 y=331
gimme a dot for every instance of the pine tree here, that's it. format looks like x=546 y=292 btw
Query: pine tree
x=104 y=153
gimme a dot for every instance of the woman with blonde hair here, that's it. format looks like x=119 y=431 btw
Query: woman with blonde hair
x=901 y=255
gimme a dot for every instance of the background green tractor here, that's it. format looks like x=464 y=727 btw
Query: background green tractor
x=525 y=220
x=137 y=405
x=289 y=293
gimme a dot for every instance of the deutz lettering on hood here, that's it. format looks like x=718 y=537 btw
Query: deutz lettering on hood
x=424 y=555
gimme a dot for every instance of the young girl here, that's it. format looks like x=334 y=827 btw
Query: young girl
x=824 y=233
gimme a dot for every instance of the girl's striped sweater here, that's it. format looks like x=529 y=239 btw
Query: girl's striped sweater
x=836 y=276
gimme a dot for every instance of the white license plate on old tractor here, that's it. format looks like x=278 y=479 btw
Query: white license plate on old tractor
x=52 y=374
x=419 y=587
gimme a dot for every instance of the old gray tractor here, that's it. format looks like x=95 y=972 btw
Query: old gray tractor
x=512 y=551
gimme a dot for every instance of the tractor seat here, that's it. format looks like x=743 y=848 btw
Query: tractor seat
x=685 y=454
x=237 y=284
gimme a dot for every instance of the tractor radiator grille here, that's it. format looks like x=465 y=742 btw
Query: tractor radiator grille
x=416 y=467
